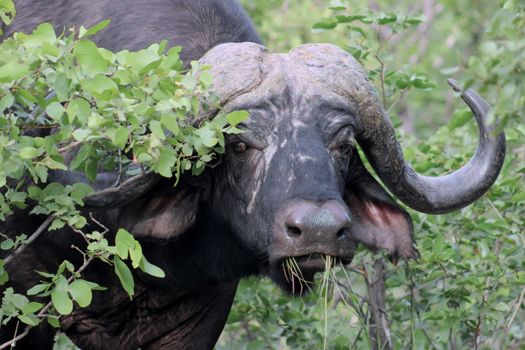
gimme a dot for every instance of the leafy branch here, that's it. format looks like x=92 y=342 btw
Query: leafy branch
x=41 y=229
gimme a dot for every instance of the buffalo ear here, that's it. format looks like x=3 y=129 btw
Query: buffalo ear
x=377 y=220
x=163 y=215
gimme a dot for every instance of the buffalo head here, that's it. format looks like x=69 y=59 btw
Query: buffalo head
x=293 y=184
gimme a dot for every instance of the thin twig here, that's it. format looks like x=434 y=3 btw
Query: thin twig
x=30 y=240
x=79 y=232
x=428 y=338
x=353 y=346
x=70 y=146
x=13 y=341
x=495 y=209
x=74 y=275
x=46 y=308
x=105 y=228
x=514 y=313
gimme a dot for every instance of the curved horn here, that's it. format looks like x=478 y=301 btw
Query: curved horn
x=128 y=190
x=107 y=194
x=433 y=194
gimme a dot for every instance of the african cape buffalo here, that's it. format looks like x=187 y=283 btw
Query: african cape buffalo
x=291 y=185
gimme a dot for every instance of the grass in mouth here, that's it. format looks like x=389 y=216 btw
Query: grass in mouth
x=329 y=285
x=293 y=274
x=328 y=281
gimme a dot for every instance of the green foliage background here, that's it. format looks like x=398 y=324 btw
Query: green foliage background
x=466 y=291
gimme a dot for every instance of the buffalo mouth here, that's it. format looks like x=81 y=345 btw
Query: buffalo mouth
x=295 y=275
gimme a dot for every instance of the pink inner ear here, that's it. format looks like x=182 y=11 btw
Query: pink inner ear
x=379 y=225
x=384 y=215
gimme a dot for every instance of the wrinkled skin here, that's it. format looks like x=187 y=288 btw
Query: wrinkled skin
x=308 y=192
x=291 y=185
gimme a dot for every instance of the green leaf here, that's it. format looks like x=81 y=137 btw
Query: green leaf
x=124 y=241
x=12 y=71
x=424 y=166
x=94 y=286
x=156 y=129
x=167 y=160
x=326 y=23
x=348 y=19
x=30 y=320
x=55 y=110
x=90 y=60
x=31 y=307
x=28 y=152
x=56 y=224
x=189 y=82
x=23 y=94
x=207 y=136
x=7 y=12
x=438 y=245
x=236 y=117
x=61 y=302
x=7 y=244
x=53 y=321
x=99 y=86
x=6 y=101
x=44 y=33
x=124 y=274
x=422 y=83
x=386 y=19
x=78 y=108
x=45 y=274
x=358 y=30
x=81 y=134
x=151 y=269
x=53 y=164
x=460 y=118
x=121 y=137
x=41 y=172
x=206 y=78
x=62 y=86
x=79 y=191
x=135 y=254
x=83 y=32
x=169 y=121
x=91 y=169
x=518 y=197
x=80 y=292
x=503 y=307
x=37 y=289
x=82 y=155
x=414 y=20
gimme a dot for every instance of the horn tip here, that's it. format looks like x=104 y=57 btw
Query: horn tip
x=454 y=84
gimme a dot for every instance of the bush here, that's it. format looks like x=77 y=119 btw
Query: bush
x=67 y=104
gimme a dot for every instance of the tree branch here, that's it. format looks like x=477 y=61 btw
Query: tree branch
x=30 y=240
x=379 y=327
x=46 y=308
x=514 y=313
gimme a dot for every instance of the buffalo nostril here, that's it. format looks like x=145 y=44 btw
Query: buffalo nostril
x=293 y=231
x=342 y=234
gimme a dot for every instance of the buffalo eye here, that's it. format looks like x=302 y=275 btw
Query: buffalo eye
x=345 y=149
x=239 y=147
